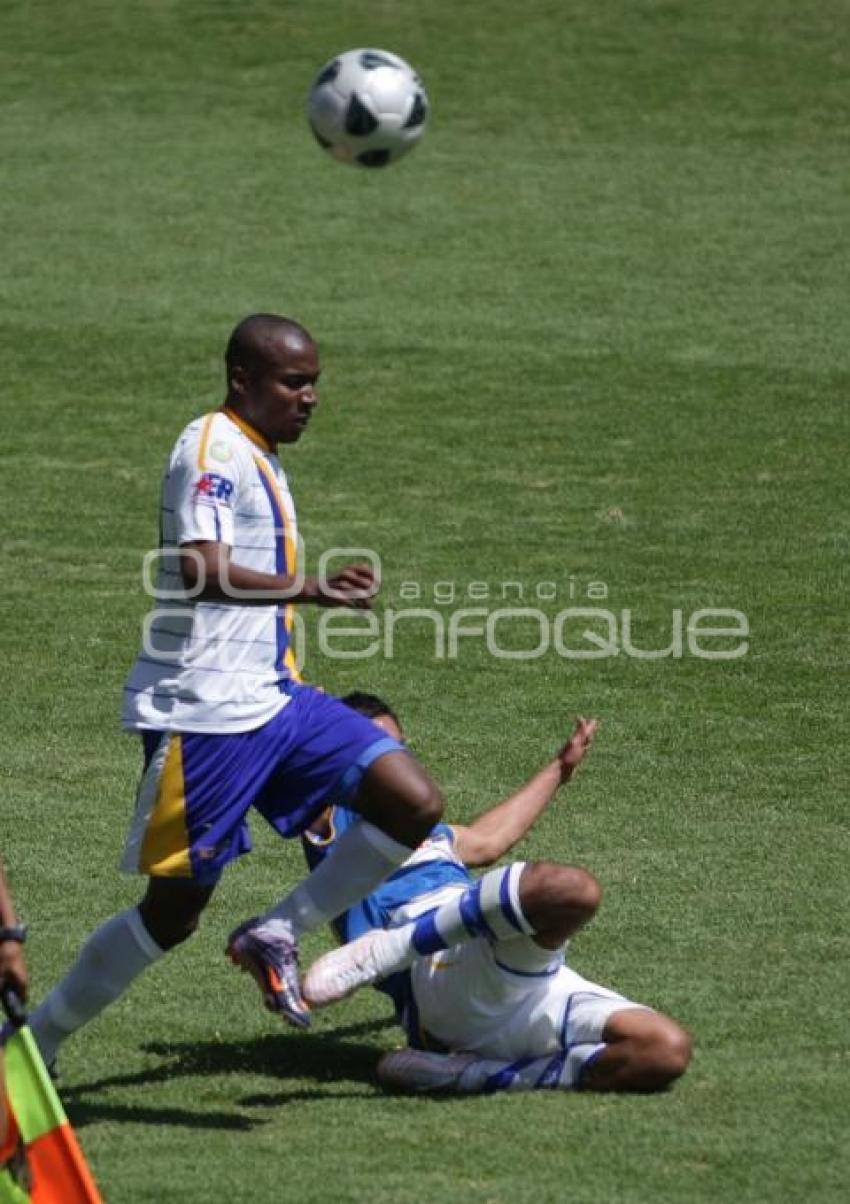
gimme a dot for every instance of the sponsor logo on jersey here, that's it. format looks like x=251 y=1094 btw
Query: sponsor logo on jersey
x=211 y=486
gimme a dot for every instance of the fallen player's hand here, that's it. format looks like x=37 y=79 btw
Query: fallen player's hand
x=575 y=749
x=353 y=586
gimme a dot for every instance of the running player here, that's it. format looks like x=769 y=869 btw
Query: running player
x=224 y=720
x=503 y=1011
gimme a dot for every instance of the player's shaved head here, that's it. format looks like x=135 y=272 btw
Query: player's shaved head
x=272 y=373
x=254 y=340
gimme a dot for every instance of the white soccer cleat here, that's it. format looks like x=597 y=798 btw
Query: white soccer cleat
x=420 y=1071
x=343 y=971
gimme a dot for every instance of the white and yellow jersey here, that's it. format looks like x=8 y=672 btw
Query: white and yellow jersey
x=217 y=666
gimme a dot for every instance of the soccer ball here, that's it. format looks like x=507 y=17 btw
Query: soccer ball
x=367 y=107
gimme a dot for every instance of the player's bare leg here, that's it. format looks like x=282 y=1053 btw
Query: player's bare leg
x=400 y=798
x=644 y=1051
x=171 y=909
x=557 y=900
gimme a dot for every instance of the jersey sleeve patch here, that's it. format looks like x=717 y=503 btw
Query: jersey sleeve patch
x=201 y=497
x=221 y=451
x=214 y=488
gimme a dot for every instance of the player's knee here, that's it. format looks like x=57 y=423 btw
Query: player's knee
x=169 y=931
x=677 y=1052
x=670 y=1054
x=566 y=887
x=183 y=927
x=582 y=890
x=398 y=796
x=170 y=918
x=423 y=807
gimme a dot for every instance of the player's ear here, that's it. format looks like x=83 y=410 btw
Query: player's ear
x=238 y=380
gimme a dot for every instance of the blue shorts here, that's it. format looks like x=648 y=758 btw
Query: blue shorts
x=196 y=789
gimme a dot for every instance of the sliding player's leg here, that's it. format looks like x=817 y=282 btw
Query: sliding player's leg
x=542 y=900
x=634 y=1050
x=562 y=1034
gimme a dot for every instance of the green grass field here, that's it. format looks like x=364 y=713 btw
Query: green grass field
x=594 y=329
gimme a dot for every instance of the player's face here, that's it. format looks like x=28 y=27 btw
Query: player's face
x=281 y=396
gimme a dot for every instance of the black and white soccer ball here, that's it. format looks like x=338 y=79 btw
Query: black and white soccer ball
x=367 y=107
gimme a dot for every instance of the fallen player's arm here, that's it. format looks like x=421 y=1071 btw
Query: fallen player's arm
x=492 y=834
x=210 y=575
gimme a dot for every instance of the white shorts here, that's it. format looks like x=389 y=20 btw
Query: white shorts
x=508 y=999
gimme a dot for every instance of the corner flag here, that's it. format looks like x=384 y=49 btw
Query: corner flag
x=58 y=1169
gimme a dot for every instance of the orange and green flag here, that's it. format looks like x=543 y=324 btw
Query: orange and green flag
x=58 y=1171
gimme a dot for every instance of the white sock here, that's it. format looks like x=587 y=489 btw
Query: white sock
x=360 y=860
x=108 y=962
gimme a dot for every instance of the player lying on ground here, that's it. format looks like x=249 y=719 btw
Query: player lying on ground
x=503 y=1009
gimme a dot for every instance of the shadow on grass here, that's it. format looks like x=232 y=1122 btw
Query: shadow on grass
x=329 y=1058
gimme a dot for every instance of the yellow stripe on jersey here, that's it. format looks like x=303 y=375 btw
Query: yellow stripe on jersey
x=165 y=849
x=204 y=444
x=288 y=541
x=290 y=553
x=289 y=659
x=249 y=431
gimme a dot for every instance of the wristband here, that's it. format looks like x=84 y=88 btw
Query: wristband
x=13 y=932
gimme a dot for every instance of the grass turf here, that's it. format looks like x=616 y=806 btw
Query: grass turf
x=594 y=329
